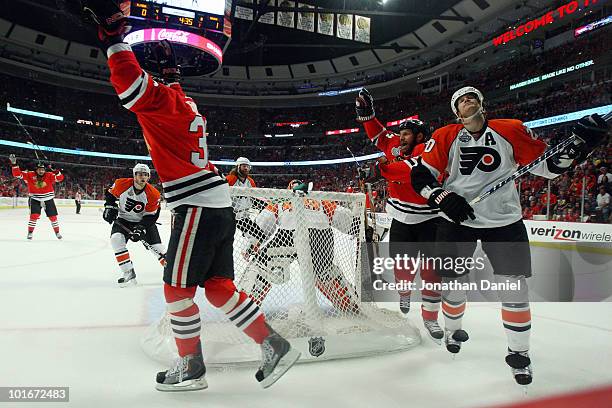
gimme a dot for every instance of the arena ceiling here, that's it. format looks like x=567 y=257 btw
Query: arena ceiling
x=254 y=43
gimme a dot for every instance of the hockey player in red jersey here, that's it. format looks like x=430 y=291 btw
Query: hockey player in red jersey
x=200 y=251
x=41 y=190
x=414 y=220
x=132 y=206
x=474 y=154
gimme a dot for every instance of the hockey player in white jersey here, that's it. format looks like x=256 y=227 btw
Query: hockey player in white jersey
x=132 y=206
x=474 y=154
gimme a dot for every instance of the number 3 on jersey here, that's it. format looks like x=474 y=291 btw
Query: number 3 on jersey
x=200 y=157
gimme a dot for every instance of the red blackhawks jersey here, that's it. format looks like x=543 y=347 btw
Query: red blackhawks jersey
x=473 y=165
x=174 y=130
x=404 y=204
x=39 y=188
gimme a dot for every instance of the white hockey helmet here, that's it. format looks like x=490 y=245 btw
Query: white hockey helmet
x=464 y=91
x=141 y=168
x=243 y=160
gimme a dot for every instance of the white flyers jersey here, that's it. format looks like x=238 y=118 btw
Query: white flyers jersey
x=472 y=166
x=134 y=205
x=241 y=205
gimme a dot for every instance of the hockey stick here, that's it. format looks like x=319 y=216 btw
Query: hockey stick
x=525 y=169
x=148 y=246
x=32 y=142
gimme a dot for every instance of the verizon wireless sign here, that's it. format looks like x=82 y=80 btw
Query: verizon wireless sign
x=553 y=231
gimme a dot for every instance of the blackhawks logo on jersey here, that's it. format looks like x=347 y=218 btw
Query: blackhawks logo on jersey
x=40 y=183
x=482 y=158
x=133 y=205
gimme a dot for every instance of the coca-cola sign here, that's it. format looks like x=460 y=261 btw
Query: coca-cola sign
x=176 y=37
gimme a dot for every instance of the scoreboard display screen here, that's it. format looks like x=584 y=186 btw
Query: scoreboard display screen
x=198 y=14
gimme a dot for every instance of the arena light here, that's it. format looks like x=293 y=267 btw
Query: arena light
x=553 y=120
x=341 y=131
x=568 y=117
x=566 y=70
x=33 y=113
x=400 y=121
x=593 y=26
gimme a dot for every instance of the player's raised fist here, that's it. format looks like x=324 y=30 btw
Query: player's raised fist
x=13 y=159
x=111 y=16
x=364 y=106
x=166 y=62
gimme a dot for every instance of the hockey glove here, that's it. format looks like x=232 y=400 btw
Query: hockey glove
x=364 y=106
x=370 y=172
x=452 y=204
x=302 y=188
x=138 y=233
x=110 y=213
x=111 y=17
x=12 y=159
x=591 y=131
x=166 y=62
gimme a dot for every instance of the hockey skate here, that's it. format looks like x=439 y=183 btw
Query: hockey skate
x=277 y=357
x=30 y=236
x=520 y=365
x=58 y=235
x=129 y=278
x=453 y=340
x=186 y=375
x=404 y=303
x=434 y=331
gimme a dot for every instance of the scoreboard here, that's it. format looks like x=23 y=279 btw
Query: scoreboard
x=199 y=30
x=208 y=17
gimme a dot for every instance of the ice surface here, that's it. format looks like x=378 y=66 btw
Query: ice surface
x=64 y=322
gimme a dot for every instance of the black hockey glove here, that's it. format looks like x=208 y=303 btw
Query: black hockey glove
x=111 y=17
x=370 y=172
x=110 y=213
x=138 y=233
x=591 y=131
x=12 y=159
x=452 y=204
x=166 y=62
x=364 y=106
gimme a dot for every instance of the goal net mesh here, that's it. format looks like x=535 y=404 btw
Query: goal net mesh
x=299 y=256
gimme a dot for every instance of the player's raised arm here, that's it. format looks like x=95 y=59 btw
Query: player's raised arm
x=590 y=131
x=137 y=90
x=383 y=139
x=15 y=170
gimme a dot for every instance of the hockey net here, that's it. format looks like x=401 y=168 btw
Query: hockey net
x=299 y=257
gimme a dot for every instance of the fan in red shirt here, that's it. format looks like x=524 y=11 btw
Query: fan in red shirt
x=414 y=220
x=41 y=190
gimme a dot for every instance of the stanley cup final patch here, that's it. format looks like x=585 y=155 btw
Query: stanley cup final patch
x=316 y=346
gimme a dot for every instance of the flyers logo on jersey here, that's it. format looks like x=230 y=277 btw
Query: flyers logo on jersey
x=133 y=205
x=482 y=158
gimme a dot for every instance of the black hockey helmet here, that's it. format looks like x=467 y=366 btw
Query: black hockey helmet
x=40 y=165
x=416 y=126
